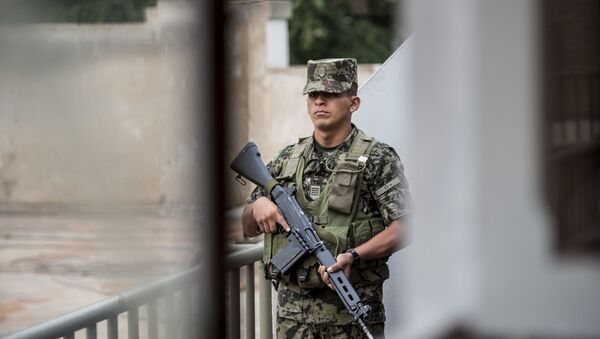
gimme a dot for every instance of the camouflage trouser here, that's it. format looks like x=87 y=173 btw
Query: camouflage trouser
x=292 y=329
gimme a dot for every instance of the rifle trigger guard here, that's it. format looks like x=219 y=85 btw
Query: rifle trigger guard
x=240 y=180
x=282 y=230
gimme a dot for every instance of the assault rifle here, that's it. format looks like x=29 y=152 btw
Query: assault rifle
x=303 y=238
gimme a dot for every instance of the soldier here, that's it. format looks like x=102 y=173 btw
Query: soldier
x=350 y=185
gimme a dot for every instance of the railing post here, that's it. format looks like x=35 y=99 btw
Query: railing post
x=234 y=291
x=132 y=324
x=152 y=320
x=113 y=327
x=250 y=301
x=170 y=317
x=90 y=332
x=266 y=317
x=188 y=322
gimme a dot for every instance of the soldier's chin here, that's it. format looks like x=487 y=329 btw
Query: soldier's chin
x=323 y=125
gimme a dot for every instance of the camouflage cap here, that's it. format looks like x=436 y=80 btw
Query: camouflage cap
x=330 y=75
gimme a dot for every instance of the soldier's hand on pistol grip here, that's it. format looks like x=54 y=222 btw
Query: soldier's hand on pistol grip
x=343 y=261
x=267 y=216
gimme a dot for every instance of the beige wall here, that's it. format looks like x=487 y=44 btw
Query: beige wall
x=101 y=114
x=107 y=114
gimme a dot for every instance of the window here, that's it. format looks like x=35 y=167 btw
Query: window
x=572 y=60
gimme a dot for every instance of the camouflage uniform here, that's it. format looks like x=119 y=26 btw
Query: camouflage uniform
x=291 y=329
x=318 y=312
x=383 y=167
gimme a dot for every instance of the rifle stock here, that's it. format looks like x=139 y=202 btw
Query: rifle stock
x=249 y=165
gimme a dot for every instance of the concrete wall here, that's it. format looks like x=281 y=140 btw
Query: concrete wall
x=106 y=114
x=102 y=114
x=481 y=255
x=527 y=287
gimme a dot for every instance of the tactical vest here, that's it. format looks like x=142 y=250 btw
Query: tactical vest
x=335 y=214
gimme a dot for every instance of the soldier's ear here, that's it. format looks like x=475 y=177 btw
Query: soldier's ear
x=355 y=104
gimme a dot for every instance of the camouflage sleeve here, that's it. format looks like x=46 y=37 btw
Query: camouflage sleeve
x=274 y=167
x=389 y=185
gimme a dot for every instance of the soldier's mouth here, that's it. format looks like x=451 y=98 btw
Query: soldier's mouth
x=317 y=113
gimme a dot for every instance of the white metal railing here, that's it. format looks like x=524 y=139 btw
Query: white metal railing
x=166 y=292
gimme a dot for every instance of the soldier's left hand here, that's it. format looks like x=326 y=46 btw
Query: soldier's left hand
x=344 y=262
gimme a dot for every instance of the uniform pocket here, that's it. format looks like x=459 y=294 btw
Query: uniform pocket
x=342 y=186
x=368 y=271
x=307 y=274
x=361 y=233
x=377 y=225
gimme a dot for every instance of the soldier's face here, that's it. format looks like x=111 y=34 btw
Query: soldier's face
x=330 y=111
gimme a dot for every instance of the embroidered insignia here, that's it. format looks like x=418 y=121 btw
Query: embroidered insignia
x=321 y=71
x=387 y=186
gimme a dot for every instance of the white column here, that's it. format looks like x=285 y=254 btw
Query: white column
x=277 y=37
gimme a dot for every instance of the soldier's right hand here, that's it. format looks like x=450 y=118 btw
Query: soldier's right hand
x=267 y=216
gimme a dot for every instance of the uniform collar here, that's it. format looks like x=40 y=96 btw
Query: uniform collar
x=344 y=146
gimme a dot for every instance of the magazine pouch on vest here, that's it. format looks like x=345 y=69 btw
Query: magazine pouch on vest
x=343 y=182
x=368 y=270
x=343 y=178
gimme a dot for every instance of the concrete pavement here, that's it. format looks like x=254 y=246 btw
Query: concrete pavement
x=57 y=263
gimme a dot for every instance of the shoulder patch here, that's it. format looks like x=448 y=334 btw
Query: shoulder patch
x=387 y=186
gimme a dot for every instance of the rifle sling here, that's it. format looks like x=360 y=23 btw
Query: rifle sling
x=269 y=186
x=327 y=236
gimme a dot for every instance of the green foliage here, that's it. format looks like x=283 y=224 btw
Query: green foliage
x=340 y=28
x=74 y=11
